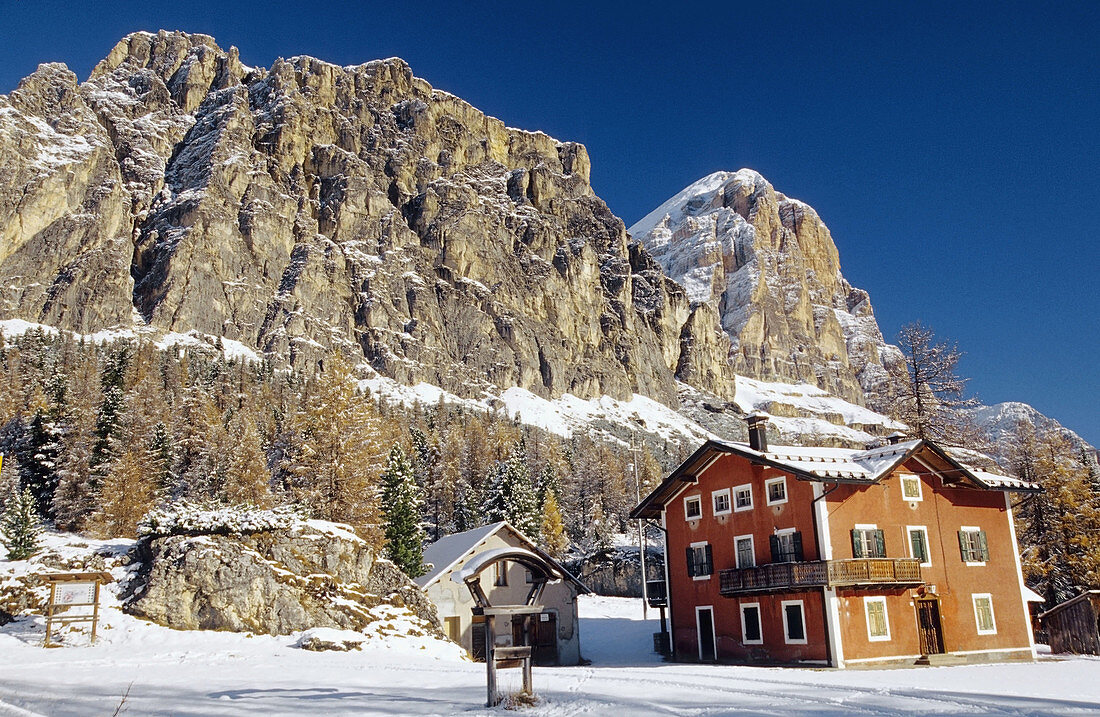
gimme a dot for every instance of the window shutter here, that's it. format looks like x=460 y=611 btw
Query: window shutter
x=880 y=544
x=774 y=541
x=983 y=547
x=691 y=561
x=708 y=566
x=796 y=542
x=857 y=545
x=963 y=547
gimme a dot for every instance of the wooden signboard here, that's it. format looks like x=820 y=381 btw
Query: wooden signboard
x=71 y=596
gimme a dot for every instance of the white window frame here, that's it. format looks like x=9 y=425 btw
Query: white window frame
x=974 y=597
x=689 y=499
x=864 y=528
x=871 y=637
x=729 y=501
x=695 y=546
x=737 y=553
x=699 y=632
x=787 y=628
x=920 y=487
x=768 y=492
x=909 y=530
x=759 y=624
x=972 y=529
x=736 y=489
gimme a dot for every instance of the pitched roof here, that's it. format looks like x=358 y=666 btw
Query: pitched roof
x=451 y=550
x=828 y=465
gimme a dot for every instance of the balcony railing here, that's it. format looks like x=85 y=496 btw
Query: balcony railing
x=656 y=593
x=860 y=572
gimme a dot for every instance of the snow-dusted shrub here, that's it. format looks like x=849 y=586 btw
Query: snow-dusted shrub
x=207 y=519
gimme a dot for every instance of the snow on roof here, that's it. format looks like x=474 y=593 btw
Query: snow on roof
x=996 y=480
x=844 y=463
x=446 y=552
x=484 y=559
x=826 y=464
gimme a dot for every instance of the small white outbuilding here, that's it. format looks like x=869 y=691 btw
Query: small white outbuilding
x=556 y=634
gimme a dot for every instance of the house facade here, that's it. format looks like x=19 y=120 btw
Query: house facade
x=830 y=556
x=555 y=634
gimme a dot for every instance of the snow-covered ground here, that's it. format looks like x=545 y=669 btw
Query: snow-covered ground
x=150 y=670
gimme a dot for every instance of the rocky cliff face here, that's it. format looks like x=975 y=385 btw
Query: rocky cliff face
x=275 y=582
x=310 y=206
x=768 y=267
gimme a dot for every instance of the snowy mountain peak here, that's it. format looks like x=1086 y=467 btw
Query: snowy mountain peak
x=768 y=266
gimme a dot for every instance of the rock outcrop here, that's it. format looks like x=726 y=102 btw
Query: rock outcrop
x=767 y=266
x=275 y=582
x=310 y=206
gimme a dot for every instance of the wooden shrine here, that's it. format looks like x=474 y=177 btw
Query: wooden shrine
x=500 y=656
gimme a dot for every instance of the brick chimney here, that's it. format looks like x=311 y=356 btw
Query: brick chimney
x=758 y=431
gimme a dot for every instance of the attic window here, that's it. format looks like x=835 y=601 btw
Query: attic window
x=776 y=489
x=693 y=507
x=911 y=488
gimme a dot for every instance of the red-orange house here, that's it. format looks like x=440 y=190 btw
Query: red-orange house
x=841 y=557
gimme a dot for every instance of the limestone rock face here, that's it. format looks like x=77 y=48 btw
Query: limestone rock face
x=275 y=582
x=310 y=206
x=767 y=266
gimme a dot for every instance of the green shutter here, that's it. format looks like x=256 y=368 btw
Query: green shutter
x=857 y=545
x=691 y=562
x=983 y=547
x=880 y=544
x=963 y=547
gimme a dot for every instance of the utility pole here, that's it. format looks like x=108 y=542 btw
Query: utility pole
x=641 y=529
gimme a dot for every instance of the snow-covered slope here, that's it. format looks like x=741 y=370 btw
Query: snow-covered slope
x=142 y=669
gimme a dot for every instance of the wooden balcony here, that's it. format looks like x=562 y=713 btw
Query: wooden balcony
x=858 y=573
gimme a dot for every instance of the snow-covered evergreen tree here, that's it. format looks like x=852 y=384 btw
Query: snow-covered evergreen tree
x=402 y=501
x=521 y=505
x=20 y=525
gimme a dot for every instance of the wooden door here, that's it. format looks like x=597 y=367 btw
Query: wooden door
x=544 y=638
x=929 y=626
x=477 y=634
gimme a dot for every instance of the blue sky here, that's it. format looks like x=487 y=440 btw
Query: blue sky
x=951 y=148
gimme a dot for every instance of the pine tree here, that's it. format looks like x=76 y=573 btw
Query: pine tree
x=1057 y=528
x=427 y=465
x=335 y=462
x=552 y=530
x=126 y=494
x=36 y=451
x=20 y=525
x=521 y=507
x=931 y=400
x=401 y=505
x=247 y=478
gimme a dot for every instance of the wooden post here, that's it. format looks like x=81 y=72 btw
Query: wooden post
x=95 y=610
x=528 y=687
x=491 y=661
x=49 y=613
